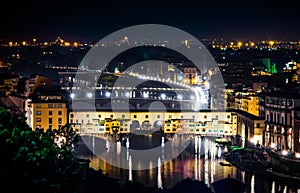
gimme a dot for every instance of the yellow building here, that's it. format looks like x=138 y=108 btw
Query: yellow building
x=250 y=105
x=248 y=102
x=46 y=111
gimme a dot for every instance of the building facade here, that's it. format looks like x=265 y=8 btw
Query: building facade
x=46 y=110
x=279 y=131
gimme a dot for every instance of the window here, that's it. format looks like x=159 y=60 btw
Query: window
x=72 y=115
x=59 y=112
x=50 y=126
x=228 y=116
x=87 y=115
x=59 y=120
x=134 y=116
x=99 y=116
x=50 y=120
x=258 y=125
x=123 y=116
x=158 y=116
x=59 y=105
x=71 y=120
x=111 y=116
x=50 y=112
x=146 y=116
x=205 y=117
x=38 y=112
x=50 y=105
x=38 y=105
x=38 y=119
x=170 y=116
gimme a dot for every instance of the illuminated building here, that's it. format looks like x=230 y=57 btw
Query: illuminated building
x=279 y=118
x=293 y=68
x=248 y=102
x=46 y=108
x=190 y=74
x=250 y=128
x=270 y=67
x=10 y=82
x=296 y=126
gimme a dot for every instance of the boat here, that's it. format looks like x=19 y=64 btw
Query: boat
x=221 y=140
x=225 y=163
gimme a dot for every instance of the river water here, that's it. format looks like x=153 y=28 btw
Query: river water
x=199 y=160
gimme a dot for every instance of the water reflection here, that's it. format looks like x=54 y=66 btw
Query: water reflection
x=130 y=169
x=159 y=180
x=199 y=161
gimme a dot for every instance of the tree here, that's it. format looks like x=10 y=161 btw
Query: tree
x=32 y=162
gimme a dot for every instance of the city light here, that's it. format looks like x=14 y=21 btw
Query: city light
x=146 y=95
x=273 y=145
x=72 y=95
x=89 y=95
x=179 y=97
x=284 y=152
x=107 y=94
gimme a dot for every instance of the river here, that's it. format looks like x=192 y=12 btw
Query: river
x=199 y=160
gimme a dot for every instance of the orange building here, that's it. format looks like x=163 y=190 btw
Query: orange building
x=46 y=110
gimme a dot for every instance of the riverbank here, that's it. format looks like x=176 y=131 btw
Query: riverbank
x=256 y=161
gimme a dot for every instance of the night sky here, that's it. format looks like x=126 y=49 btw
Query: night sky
x=92 y=20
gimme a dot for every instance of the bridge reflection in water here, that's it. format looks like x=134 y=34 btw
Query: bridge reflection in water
x=199 y=160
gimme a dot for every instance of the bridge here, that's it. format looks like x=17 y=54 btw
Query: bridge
x=203 y=123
